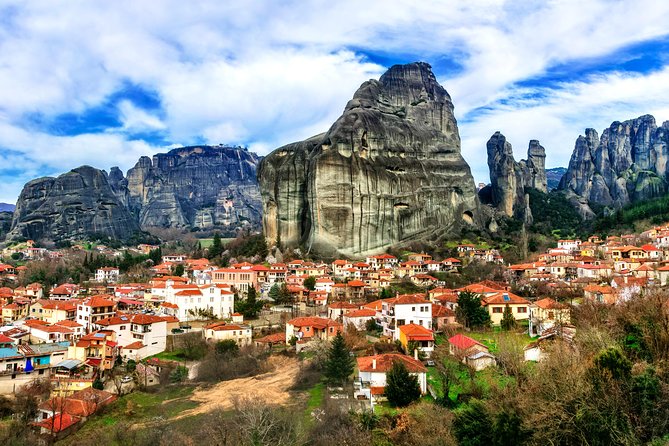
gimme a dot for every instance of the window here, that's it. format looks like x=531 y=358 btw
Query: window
x=522 y=309
x=122 y=327
x=413 y=308
x=497 y=309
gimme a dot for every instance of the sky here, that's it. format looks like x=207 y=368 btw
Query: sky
x=103 y=83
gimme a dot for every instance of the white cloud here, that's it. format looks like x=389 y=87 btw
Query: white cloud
x=265 y=73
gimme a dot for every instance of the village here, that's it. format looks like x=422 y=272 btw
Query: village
x=92 y=343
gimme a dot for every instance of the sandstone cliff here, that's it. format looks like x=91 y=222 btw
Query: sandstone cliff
x=628 y=163
x=201 y=186
x=388 y=170
x=509 y=178
x=74 y=205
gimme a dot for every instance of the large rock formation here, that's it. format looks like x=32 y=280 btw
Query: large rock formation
x=509 y=178
x=388 y=170
x=628 y=163
x=200 y=186
x=77 y=204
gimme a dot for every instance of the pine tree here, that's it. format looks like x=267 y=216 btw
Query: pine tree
x=402 y=388
x=469 y=312
x=339 y=365
x=310 y=283
x=274 y=292
x=216 y=248
x=508 y=321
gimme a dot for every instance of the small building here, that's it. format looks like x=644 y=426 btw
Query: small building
x=372 y=372
x=221 y=331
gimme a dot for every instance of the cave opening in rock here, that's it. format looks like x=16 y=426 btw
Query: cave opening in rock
x=468 y=216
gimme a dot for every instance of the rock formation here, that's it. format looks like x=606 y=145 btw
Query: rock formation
x=199 y=186
x=77 y=204
x=509 y=178
x=628 y=163
x=388 y=170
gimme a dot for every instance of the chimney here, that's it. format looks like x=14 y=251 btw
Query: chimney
x=415 y=354
x=374 y=364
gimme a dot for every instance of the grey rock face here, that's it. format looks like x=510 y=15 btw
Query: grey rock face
x=509 y=178
x=74 y=205
x=201 y=186
x=388 y=170
x=628 y=163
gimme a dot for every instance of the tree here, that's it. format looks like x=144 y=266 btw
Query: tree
x=413 y=346
x=469 y=312
x=179 y=374
x=216 y=248
x=249 y=307
x=473 y=425
x=226 y=347
x=274 y=292
x=98 y=385
x=178 y=270
x=310 y=283
x=402 y=388
x=508 y=321
x=284 y=297
x=339 y=365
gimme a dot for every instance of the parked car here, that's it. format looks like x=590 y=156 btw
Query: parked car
x=177 y=330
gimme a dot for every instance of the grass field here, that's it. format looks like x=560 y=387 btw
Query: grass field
x=207 y=242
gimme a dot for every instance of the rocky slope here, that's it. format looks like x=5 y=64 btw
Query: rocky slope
x=388 y=170
x=553 y=177
x=626 y=164
x=200 y=186
x=76 y=204
x=509 y=178
x=203 y=186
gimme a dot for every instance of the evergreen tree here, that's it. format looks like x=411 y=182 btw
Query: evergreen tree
x=284 y=294
x=274 y=292
x=178 y=270
x=402 y=388
x=508 y=321
x=310 y=283
x=339 y=365
x=469 y=312
x=216 y=248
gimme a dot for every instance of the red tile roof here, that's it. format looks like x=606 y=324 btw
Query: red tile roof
x=385 y=361
x=463 y=342
x=414 y=332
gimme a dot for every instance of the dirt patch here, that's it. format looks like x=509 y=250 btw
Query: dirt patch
x=271 y=387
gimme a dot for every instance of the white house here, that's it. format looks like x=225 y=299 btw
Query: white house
x=405 y=309
x=220 y=331
x=193 y=298
x=107 y=274
x=372 y=373
x=93 y=309
x=359 y=318
x=139 y=335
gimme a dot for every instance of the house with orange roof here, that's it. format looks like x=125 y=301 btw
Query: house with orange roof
x=340 y=268
x=309 y=328
x=145 y=332
x=423 y=338
x=93 y=309
x=65 y=291
x=405 y=309
x=372 y=370
x=191 y=300
x=98 y=349
x=337 y=310
x=442 y=317
x=358 y=318
x=241 y=279
x=546 y=313
x=599 y=293
x=14 y=311
x=496 y=303
x=53 y=311
x=80 y=405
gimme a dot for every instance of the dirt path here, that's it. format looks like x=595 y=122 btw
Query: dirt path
x=271 y=387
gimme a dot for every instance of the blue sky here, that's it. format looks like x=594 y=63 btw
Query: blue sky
x=104 y=83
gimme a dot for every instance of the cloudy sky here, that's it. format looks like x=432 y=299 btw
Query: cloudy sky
x=103 y=83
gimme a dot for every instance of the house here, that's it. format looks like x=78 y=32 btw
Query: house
x=107 y=274
x=420 y=336
x=138 y=335
x=239 y=278
x=372 y=371
x=472 y=352
x=93 y=309
x=496 y=303
x=220 y=331
x=191 y=300
x=81 y=404
x=98 y=349
x=536 y=350
x=65 y=291
x=337 y=310
x=309 y=328
x=359 y=318
x=599 y=293
x=545 y=313
x=442 y=317
x=20 y=364
x=53 y=311
x=405 y=309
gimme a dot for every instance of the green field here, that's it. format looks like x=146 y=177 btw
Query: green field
x=207 y=242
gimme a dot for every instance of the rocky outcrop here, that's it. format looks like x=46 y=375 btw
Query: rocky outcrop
x=626 y=164
x=201 y=186
x=389 y=170
x=509 y=178
x=77 y=204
